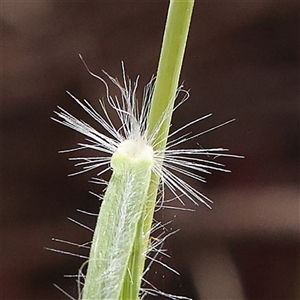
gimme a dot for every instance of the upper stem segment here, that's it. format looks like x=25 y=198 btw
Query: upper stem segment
x=170 y=63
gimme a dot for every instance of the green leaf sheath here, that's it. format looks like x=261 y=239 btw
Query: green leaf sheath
x=116 y=227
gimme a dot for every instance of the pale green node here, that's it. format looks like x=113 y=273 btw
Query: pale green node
x=116 y=227
x=133 y=151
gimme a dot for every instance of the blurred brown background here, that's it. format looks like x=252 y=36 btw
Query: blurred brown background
x=242 y=61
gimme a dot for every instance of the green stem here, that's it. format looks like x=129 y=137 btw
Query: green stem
x=116 y=229
x=170 y=63
x=162 y=104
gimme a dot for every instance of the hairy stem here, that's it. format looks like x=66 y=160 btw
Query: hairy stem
x=117 y=222
x=170 y=63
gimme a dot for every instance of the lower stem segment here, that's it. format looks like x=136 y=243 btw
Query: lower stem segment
x=117 y=225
